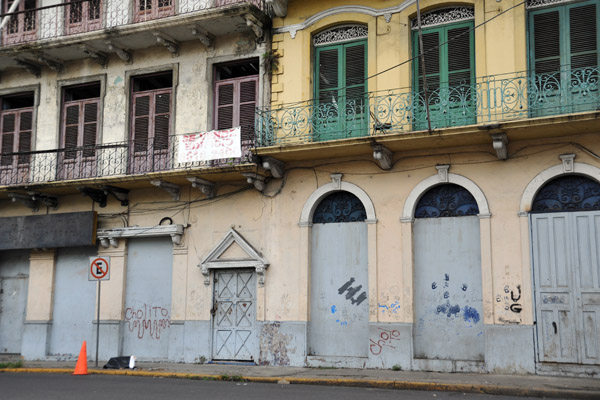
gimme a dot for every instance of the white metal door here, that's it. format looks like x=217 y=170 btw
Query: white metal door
x=14 y=268
x=448 y=295
x=339 y=308
x=147 y=318
x=74 y=308
x=566 y=266
x=234 y=319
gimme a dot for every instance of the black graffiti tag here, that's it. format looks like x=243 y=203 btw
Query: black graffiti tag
x=351 y=291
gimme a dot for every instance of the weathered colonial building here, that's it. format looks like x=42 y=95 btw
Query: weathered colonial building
x=95 y=97
x=419 y=183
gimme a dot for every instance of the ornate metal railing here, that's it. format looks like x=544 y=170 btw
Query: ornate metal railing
x=493 y=98
x=108 y=160
x=80 y=16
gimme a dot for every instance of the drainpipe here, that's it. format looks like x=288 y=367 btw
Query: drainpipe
x=12 y=9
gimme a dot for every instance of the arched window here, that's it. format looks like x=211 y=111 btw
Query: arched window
x=568 y=193
x=447 y=200
x=449 y=61
x=339 y=207
x=340 y=82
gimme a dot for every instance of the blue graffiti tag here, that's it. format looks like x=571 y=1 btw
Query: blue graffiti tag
x=471 y=314
x=448 y=309
x=333 y=309
x=394 y=307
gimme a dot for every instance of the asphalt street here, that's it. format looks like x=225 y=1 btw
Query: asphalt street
x=29 y=386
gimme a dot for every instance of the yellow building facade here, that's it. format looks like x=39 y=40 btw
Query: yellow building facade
x=430 y=210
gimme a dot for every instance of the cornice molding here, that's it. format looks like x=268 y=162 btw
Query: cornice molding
x=373 y=12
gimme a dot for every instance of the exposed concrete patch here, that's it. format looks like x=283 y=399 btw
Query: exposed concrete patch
x=274 y=345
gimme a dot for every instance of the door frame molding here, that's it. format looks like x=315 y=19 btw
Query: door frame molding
x=407 y=222
x=566 y=167
x=305 y=238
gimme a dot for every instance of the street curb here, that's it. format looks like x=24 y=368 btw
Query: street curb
x=370 y=383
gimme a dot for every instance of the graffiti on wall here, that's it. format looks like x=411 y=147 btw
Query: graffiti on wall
x=343 y=318
x=384 y=340
x=469 y=314
x=392 y=308
x=352 y=291
x=511 y=299
x=147 y=321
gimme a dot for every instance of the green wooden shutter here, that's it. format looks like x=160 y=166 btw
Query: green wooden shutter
x=546 y=42
x=563 y=58
x=583 y=30
x=328 y=72
x=355 y=72
x=340 y=90
x=460 y=57
x=431 y=49
x=450 y=74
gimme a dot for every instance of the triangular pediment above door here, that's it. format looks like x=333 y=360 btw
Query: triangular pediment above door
x=233 y=251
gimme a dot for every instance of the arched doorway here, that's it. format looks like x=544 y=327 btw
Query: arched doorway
x=565 y=234
x=448 y=302
x=339 y=308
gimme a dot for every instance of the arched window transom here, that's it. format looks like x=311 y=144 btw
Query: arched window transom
x=568 y=193
x=448 y=200
x=444 y=16
x=340 y=34
x=339 y=207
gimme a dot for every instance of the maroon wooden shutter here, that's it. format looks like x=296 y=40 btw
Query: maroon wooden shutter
x=248 y=99
x=225 y=99
x=235 y=105
x=90 y=127
x=25 y=134
x=9 y=125
x=162 y=116
x=141 y=122
x=16 y=133
x=70 y=130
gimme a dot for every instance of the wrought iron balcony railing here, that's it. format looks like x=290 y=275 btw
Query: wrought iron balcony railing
x=81 y=16
x=108 y=160
x=490 y=99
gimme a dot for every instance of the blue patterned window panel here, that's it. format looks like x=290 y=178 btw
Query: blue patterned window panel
x=446 y=201
x=339 y=207
x=568 y=193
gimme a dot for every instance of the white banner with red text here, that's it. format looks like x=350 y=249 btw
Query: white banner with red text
x=212 y=145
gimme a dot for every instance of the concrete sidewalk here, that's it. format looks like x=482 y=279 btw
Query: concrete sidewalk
x=510 y=385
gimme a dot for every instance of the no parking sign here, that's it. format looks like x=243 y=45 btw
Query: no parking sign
x=99 y=269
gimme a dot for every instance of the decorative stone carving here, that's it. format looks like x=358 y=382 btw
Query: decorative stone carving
x=541 y=3
x=254 y=260
x=568 y=161
x=336 y=180
x=110 y=237
x=279 y=7
x=499 y=143
x=443 y=172
x=444 y=16
x=383 y=155
x=341 y=34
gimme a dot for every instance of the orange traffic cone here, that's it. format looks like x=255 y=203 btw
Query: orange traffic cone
x=81 y=366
